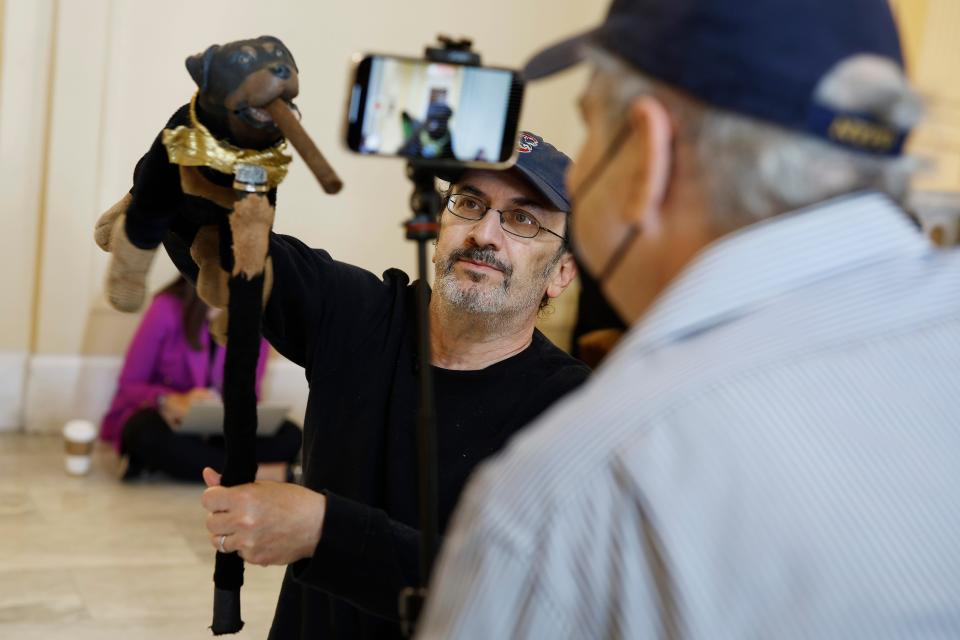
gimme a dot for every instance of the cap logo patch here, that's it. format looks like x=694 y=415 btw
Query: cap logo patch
x=859 y=133
x=527 y=143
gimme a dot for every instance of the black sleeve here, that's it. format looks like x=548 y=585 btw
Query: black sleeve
x=319 y=305
x=316 y=304
x=363 y=557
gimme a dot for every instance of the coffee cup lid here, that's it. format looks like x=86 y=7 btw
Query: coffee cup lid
x=79 y=431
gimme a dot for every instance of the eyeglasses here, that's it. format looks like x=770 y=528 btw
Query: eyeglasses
x=514 y=221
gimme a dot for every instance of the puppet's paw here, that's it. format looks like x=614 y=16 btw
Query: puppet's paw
x=127 y=275
x=104 y=227
x=250 y=225
x=212 y=280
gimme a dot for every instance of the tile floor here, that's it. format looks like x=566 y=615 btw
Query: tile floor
x=89 y=557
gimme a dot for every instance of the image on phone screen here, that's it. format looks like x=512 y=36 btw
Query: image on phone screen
x=433 y=111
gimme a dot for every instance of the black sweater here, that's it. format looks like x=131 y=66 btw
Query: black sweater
x=355 y=336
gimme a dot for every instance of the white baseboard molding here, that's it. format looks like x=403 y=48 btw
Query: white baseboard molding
x=13 y=376
x=61 y=388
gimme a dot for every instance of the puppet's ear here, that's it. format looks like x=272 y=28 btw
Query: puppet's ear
x=199 y=66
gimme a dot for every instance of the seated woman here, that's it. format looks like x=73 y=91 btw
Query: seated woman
x=172 y=363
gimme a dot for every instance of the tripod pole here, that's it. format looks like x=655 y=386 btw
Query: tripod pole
x=423 y=227
x=426 y=426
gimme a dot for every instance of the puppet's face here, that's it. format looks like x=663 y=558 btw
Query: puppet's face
x=239 y=78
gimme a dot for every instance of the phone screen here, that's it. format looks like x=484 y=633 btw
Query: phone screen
x=439 y=112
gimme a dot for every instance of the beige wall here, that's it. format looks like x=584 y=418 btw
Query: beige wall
x=932 y=50
x=23 y=112
x=86 y=85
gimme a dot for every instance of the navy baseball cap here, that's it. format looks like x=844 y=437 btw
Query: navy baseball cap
x=538 y=162
x=762 y=58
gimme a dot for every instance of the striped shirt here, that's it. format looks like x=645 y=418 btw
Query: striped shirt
x=772 y=452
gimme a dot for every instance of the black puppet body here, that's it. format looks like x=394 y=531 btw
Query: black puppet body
x=217 y=163
x=157 y=196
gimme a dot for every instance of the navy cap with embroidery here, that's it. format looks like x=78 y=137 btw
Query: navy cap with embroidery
x=541 y=164
x=762 y=58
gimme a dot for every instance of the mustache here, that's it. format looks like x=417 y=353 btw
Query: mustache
x=476 y=254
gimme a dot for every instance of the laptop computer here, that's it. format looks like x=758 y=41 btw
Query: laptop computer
x=206 y=418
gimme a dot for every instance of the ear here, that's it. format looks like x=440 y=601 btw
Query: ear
x=199 y=66
x=651 y=144
x=563 y=275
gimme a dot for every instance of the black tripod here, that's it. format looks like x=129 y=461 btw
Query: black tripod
x=423 y=228
x=425 y=203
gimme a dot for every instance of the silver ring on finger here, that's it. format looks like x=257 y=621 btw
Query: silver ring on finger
x=222 y=539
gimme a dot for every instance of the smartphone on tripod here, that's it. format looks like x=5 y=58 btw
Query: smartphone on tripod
x=439 y=111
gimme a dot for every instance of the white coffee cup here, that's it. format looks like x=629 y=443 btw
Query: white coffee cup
x=79 y=437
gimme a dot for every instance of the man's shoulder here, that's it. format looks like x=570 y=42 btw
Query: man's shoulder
x=546 y=373
x=825 y=318
x=308 y=263
x=556 y=362
x=398 y=278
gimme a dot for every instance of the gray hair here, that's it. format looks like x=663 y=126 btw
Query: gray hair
x=753 y=169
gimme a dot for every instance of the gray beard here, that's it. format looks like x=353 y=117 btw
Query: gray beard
x=472 y=298
x=495 y=306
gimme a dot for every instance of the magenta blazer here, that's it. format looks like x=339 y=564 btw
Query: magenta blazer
x=160 y=360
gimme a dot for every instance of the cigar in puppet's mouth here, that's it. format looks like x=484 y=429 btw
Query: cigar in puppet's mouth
x=287 y=119
x=260 y=118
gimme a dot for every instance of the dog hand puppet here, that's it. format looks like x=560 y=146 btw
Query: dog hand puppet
x=191 y=167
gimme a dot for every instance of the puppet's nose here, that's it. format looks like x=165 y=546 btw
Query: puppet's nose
x=282 y=71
